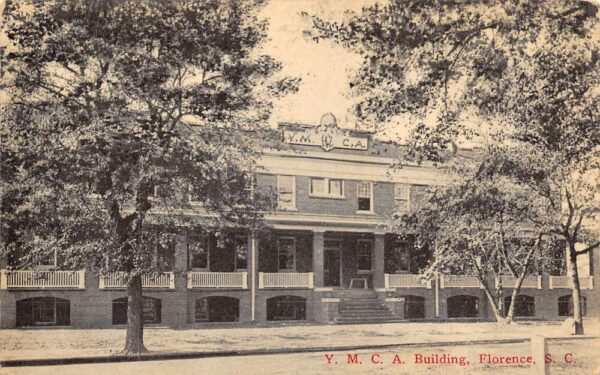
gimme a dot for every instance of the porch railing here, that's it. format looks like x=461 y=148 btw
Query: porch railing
x=236 y=280
x=529 y=282
x=405 y=281
x=29 y=279
x=558 y=282
x=116 y=280
x=459 y=281
x=285 y=280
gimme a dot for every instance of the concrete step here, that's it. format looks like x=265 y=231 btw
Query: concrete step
x=363 y=316
x=365 y=310
x=363 y=307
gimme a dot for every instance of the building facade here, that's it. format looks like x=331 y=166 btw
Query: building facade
x=327 y=256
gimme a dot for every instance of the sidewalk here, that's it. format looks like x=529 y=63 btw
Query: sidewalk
x=74 y=343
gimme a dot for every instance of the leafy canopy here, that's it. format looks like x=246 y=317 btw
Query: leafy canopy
x=116 y=110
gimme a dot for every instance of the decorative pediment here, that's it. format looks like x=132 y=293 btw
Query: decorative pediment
x=327 y=137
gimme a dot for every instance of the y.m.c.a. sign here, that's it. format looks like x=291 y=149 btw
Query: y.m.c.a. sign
x=326 y=137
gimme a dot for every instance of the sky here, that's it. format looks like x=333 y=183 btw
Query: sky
x=323 y=67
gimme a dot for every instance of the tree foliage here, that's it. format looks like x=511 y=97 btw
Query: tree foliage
x=482 y=224
x=523 y=73
x=118 y=110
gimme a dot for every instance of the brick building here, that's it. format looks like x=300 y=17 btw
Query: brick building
x=327 y=258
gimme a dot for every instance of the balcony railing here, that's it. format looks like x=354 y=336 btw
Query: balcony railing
x=530 y=282
x=285 y=280
x=459 y=281
x=405 y=281
x=116 y=280
x=232 y=280
x=28 y=279
x=565 y=282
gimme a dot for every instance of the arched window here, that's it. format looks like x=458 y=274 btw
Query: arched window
x=524 y=306
x=217 y=309
x=414 y=307
x=463 y=306
x=565 y=305
x=286 y=308
x=43 y=311
x=151 y=310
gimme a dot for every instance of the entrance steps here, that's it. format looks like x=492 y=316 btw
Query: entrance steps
x=362 y=306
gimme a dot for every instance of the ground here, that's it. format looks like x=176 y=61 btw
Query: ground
x=63 y=343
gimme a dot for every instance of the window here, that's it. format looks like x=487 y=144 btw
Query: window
x=151 y=310
x=463 y=306
x=48 y=262
x=365 y=250
x=286 y=308
x=565 y=305
x=414 y=307
x=402 y=196
x=196 y=196
x=48 y=259
x=524 y=305
x=286 y=192
x=402 y=257
x=217 y=309
x=286 y=254
x=241 y=252
x=165 y=250
x=43 y=311
x=365 y=196
x=198 y=253
x=249 y=184
x=326 y=187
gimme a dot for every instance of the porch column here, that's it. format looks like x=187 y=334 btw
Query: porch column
x=378 y=262
x=318 y=258
x=252 y=267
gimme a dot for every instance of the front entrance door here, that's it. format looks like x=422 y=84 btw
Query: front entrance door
x=332 y=263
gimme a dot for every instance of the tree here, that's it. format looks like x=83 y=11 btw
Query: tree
x=525 y=72
x=116 y=110
x=480 y=224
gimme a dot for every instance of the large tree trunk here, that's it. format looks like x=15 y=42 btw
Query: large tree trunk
x=513 y=299
x=494 y=303
x=572 y=268
x=134 y=339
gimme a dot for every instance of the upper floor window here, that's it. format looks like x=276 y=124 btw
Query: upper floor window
x=286 y=257
x=326 y=187
x=198 y=252
x=286 y=192
x=250 y=184
x=365 y=196
x=241 y=252
x=402 y=196
x=195 y=196
x=365 y=250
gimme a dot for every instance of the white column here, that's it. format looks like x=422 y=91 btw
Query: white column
x=253 y=274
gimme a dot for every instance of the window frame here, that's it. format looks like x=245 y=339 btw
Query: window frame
x=206 y=241
x=328 y=194
x=371 y=200
x=235 y=252
x=48 y=267
x=293 y=204
x=405 y=197
x=283 y=270
x=358 y=255
x=397 y=245
x=190 y=194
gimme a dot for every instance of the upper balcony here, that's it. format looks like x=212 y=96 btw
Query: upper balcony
x=31 y=279
x=116 y=280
